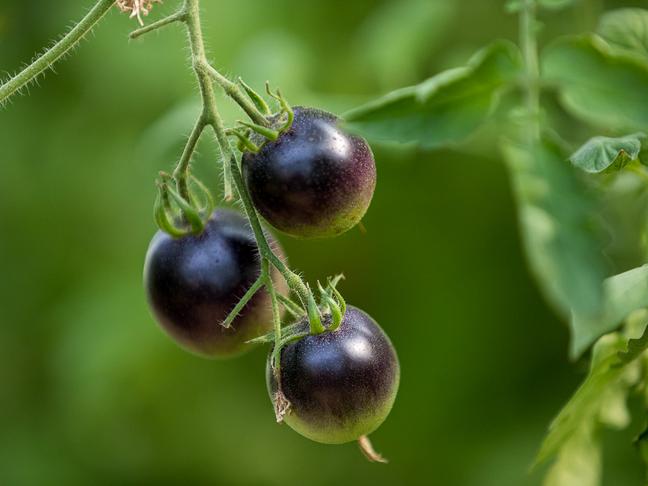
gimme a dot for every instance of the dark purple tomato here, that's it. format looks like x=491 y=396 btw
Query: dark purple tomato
x=315 y=180
x=340 y=385
x=193 y=282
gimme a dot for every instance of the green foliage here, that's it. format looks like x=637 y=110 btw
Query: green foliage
x=555 y=216
x=444 y=109
x=598 y=84
x=626 y=29
x=601 y=153
x=57 y=400
x=622 y=294
x=600 y=401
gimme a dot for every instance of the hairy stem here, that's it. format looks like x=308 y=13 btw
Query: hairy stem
x=292 y=308
x=236 y=93
x=58 y=50
x=179 y=16
x=276 y=315
x=181 y=172
x=200 y=67
x=231 y=169
x=529 y=45
x=256 y=286
x=293 y=280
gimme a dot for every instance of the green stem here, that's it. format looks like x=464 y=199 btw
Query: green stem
x=181 y=172
x=231 y=168
x=179 y=16
x=233 y=91
x=293 y=280
x=529 y=45
x=256 y=286
x=200 y=66
x=292 y=308
x=276 y=315
x=58 y=50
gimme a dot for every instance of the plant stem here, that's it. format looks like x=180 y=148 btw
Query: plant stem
x=292 y=308
x=293 y=280
x=179 y=16
x=256 y=286
x=234 y=91
x=230 y=165
x=276 y=315
x=181 y=172
x=58 y=50
x=199 y=62
x=529 y=45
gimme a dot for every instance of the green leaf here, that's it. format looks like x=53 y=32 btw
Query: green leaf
x=622 y=294
x=598 y=84
x=444 y=109
x=600 y=400
x=601 y=153
x=561 y=241
x=626 y=29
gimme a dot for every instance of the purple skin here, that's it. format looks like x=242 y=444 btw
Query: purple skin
x=341 y=385
x=315 y=180
x=193 y=282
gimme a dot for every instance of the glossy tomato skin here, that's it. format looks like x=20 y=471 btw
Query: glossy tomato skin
x=315 y=180
x=193 y=282
x=341 y=385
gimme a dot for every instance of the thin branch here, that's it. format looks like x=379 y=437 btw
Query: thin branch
x=251 y=292
x=296 y=311
x=212 y=117
x=276 y=314
x=57 y=51
x=236 y=93
x=181 y=172
x=179 y=16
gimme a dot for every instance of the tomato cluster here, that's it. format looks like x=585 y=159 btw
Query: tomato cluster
x=314 y=180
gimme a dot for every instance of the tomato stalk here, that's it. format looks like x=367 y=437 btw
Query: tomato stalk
x=211 y=116
x=46 y=61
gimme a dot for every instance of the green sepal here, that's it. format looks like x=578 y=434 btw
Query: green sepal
x=208 y=203
x=161 y=216
x=244 y=142
x=285 y=108
x=256 y=98
x=314 y=317
x=188 y=211
x=266 y=132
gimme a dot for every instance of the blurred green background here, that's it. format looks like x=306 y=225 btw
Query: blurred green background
x=92 y=392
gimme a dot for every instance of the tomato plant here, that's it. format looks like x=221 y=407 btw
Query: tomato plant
x=332 y=372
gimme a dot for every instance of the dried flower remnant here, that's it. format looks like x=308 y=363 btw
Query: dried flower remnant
x=137 y=8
